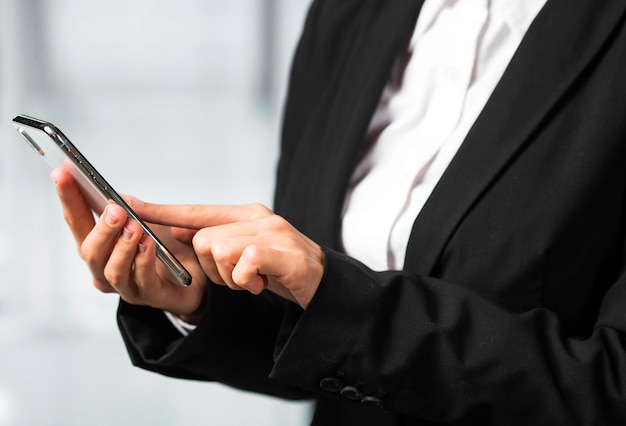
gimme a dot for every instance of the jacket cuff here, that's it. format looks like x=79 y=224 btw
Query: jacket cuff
x=318 y=346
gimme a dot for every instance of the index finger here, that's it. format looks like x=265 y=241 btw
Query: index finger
x=76 y=211
x=196 y=216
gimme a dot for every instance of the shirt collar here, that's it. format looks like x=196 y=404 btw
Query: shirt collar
x=516 y=14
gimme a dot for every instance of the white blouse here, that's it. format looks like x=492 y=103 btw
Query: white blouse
x=456 y=56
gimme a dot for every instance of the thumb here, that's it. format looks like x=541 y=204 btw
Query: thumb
x=184 y=235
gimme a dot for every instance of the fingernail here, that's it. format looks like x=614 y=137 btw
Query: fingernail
x=134 y=202
x=126 y=234
x=259 y=284
x=110 y=218
x=264 y=281
x=141 y=247
x=53 y=175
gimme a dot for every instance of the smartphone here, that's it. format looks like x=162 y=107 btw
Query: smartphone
x=57 y=150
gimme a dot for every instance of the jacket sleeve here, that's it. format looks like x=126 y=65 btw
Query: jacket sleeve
x=430 y=349
x=233 y=345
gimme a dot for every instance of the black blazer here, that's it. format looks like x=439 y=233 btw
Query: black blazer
x=511 y=308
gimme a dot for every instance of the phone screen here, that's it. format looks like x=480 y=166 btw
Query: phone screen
x=57 y=150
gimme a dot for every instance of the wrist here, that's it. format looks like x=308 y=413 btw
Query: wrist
x=194 y=317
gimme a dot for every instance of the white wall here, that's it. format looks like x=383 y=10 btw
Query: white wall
x=166 y=99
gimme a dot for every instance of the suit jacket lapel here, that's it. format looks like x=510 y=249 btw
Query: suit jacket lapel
x=559 y=44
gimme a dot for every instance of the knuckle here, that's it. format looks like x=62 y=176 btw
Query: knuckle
x=275 y=223
x=102 y=287
x=201 y=243
x=253 y=255
x=258 y=210
x=114 y=277
x=89 y=256
x=220 y=253
x=196 y=210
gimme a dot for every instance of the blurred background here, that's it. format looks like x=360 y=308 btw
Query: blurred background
x=175 y=102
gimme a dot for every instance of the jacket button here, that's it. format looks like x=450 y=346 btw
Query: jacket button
x=331 y=384
x=351 y=393
x=372 y=401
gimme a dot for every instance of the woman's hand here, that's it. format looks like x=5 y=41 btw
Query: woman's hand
x=245 y=247
x=122 y=260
